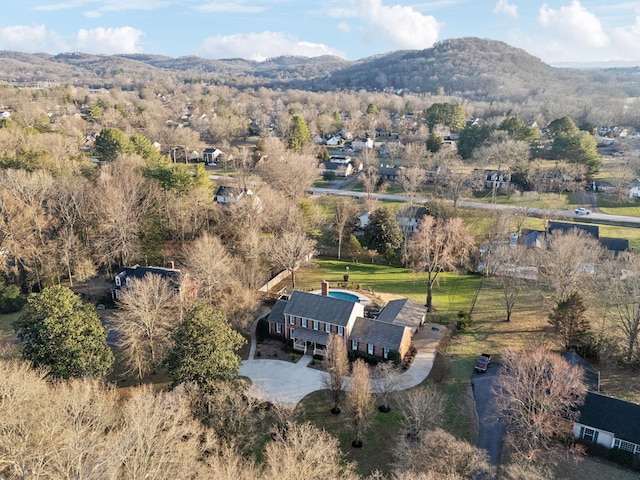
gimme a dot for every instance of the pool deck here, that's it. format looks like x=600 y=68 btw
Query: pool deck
x=363 y=299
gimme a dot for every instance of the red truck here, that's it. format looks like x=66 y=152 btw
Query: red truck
x=483 y=362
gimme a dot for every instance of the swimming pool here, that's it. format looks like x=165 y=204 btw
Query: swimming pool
x=350 y=297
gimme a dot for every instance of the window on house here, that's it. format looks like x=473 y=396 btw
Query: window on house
x=354 y=344
x=304 y=322
x=386 y=353
x=327 y=327
x=589 y=435
x=316 y=325
x=341 y=331
x=370 y=349
x=624 y=445
x=278 y=328
x=292 y=320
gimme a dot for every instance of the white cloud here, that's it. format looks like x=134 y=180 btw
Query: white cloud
x=344 y=27
x=109 y=40
x=503 y=6
x=104 y=6
x=403 y=27
x=260 y=46
x=574 y=24
x=628 y=38
x=31 y=39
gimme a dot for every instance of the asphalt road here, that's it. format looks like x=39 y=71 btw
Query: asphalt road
x=534 y=212
x=491 y=430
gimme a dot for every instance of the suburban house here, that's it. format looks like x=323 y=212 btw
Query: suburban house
x=124 y=278
x=362 y=143
x=613 y=246
x=211 y=155
x=389 y=173
x=496 y=179
x=341 y=169
x=307 y=319
x=409 y=219
x=634 y=190
x=227 y=195
x=610 y=422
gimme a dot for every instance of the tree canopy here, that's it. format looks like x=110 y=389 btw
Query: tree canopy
x=204 y=348
x=61 y=333
x=111 y=142
x=382 y=232
x=450 y=115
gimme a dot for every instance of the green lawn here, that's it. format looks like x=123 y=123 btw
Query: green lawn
x=452 y=293
x=630 y=208
x=6 y=324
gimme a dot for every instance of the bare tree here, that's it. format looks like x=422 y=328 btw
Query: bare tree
x=436 y=246
x=304 y=451
x=345 y=213
x=290 y=251
x=386 y=377
x=536 y=394
x=288 y=172
x=159 y=437
x=440 y=455
x=337 y=366
x=209 y=263
x=508 y=265
x=147 y=311
x=567 y=263
x=122 y=199
x=422 y=409
x=359 y=400
x=620 y=287
x=370 y=178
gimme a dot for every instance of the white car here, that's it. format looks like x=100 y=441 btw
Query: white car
x=582 y=211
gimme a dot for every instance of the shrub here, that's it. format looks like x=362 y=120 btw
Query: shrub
x=394 y=356
x=464 y=321
x=10 y=298
x=370 y=359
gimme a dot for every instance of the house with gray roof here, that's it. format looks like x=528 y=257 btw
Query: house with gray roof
x=307 y=319
x=610 y=422
x=180 y=283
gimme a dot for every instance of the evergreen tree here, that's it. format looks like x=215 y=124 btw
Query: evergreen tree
x=61 y=333
x=569 y=322
x=111 y=142
x=382 y=233
x=205 y=347
x=473 y=136
x=299 y=134
x=450 y=115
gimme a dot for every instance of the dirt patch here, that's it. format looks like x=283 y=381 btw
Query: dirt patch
x=273 y=349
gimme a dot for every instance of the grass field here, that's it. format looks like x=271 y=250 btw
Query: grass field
x=6 y=324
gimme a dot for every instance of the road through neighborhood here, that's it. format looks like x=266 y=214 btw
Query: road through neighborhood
x=534 y=212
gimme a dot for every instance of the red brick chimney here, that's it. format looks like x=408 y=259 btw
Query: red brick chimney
x=325 y=288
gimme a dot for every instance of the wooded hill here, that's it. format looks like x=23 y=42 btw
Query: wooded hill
x=470 y=68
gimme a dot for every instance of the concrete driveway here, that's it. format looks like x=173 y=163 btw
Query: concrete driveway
x=287 y=383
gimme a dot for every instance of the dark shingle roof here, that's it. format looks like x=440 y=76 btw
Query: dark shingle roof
x=402 y=312
x=277 y=312
x=615 y=244
x=374 y=332
x=591 y=377
x=318 y=307
x=612 y=415
x=565 y=227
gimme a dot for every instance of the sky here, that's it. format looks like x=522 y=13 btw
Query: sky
x=556 y=31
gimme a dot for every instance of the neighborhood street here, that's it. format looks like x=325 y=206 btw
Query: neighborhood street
x=534 y=212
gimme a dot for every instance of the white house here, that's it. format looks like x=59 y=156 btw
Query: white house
x=634 y=190
x=610 y=422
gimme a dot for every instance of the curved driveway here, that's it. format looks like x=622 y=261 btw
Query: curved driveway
x=286 y=383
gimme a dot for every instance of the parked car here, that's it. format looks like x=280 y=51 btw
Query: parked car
x=483 y=362
x=582 y=211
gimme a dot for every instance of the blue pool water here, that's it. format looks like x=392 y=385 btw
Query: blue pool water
x=350 y=297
